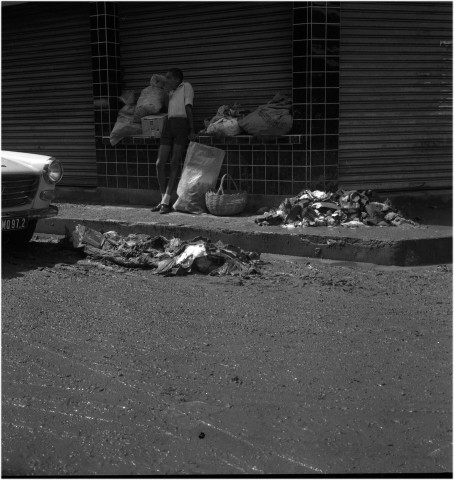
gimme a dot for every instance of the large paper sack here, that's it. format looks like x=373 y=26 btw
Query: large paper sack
x=151 y=99
x=273 y=118
x=125 y=125
x=200 y=173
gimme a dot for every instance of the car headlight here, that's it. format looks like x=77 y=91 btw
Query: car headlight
x=53 y=171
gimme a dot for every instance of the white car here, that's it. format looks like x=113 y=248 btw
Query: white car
x=28 y=187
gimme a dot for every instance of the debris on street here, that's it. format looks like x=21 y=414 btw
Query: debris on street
x=316 y=208
x=167 y=257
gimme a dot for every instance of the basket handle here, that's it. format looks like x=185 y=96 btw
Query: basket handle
x=221 y=186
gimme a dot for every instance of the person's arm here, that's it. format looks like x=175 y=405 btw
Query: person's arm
x=192 y=135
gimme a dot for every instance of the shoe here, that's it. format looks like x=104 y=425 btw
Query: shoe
x=156 y=208
x=165 y=209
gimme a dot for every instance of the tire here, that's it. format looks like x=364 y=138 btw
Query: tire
x=20 y=238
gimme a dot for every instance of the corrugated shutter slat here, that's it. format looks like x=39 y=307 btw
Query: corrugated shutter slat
x=395 y=95
x=47 y=93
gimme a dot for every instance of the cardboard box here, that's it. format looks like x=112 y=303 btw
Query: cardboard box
x=152 y=125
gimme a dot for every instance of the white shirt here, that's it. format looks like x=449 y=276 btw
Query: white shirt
x=178 y=99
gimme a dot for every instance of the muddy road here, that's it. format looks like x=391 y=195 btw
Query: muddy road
x=313 y=368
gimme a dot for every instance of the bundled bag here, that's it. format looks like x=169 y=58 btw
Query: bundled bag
x=125 y=125
x=227 y=127
x=273 y=118
x=200 y=173
x=151 y=98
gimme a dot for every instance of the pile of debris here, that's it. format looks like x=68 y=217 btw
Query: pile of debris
x=167 y=257
x=346 y=208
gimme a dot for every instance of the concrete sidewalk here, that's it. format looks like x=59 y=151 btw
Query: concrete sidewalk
x=402 y=246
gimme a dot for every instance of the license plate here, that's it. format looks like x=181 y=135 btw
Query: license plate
x=16 y=223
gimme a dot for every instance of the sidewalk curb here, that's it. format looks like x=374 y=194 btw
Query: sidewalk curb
x=405 y=252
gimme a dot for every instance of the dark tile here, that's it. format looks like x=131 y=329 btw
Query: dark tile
x=112 y=182
x=143 y=183
x=272 y=188
x=300 y=80
x=242 y=139
x=317 y=177
x=333 y=32
x=317 y=127
x=332 y=95
x=333 y=15
x=318 y=64
x=245 y=158
x=102 y=181
x=298 y=187
x=101 y=168
x=300 y=64
x=269 y=139
x=299 y=158
x=282 y=148
x=111 y=168
x=121 y=168
x=272 y=157
x=300 y=32
x=300 y=95
x=318 y=31
x=142 y=169
x=234 y=171
x=246 y=147
x=332 y=64
x=332 y=47
x=283 y=139
x=317 y=142
x=121 y=154
x=122 y=182
x=246 y=173
x=258 y=173
x=285 y=158
x=318 y=95
x=318 y=14
x=272 y=173
x=299 y=14
x=285 y=188
x=299 y=126
x=233 y=148
x=285 y=173
x=245 y=184
x=331 y=157
x=132 y=169
x=142 y=155
x=317 y=79
x=318 y=111
x=332 y=79
x=332 y=110
x=317 y=159
x=133 y=182
x=332 y=126
x=318 y=47
x=233 y=157
x=153 y=183
x=299 y=174
x=258 y=188
x=258 y=158
x=331 y=173
x=259 y=148
x=332 y=142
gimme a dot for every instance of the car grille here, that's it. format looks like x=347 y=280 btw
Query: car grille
x=18 y=189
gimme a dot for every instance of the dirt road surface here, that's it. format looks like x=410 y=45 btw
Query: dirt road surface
x=312 y=368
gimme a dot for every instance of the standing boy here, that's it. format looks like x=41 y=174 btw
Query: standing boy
x=177 y=131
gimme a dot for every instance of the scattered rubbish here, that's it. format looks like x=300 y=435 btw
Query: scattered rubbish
x=167 y=257
x=351 y=209
x=225 y=122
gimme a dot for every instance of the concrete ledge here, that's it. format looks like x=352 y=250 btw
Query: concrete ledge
x=345 y=246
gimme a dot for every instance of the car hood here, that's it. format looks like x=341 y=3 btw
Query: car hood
x=18 y=162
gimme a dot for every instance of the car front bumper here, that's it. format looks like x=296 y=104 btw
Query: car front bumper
x=33 y=214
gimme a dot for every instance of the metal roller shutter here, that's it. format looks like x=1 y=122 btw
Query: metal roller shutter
x=47 y=93
x=396 y=95
x=229 y=51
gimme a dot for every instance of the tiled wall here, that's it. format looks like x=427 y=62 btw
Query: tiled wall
x=316 y=39
x=105 y=49
x=274 y=166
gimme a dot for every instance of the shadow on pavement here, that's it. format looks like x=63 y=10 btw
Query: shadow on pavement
x=36 y=255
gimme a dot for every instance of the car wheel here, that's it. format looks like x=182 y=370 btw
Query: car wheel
x=20 y=238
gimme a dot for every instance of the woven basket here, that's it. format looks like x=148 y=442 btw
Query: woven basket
x=225 y=202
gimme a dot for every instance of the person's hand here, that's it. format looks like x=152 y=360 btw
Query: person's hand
x=192 y=136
